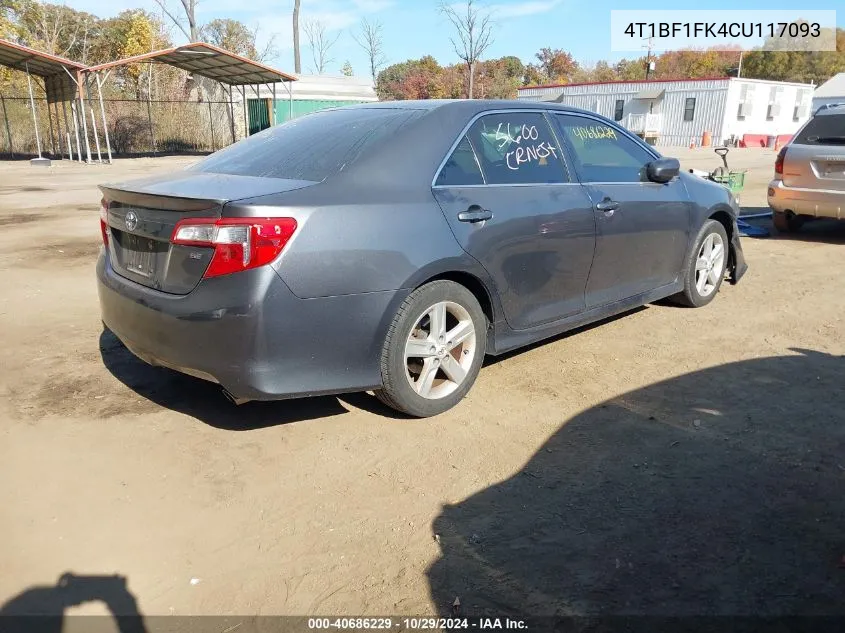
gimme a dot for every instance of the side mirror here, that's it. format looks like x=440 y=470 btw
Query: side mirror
x=663 y=170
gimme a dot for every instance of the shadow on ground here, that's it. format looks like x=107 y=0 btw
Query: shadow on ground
x=823 y=231
x=42 y=609
x=721 y=492
x=205 y=401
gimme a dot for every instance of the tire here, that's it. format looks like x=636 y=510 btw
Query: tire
x=419 y=377
x=787 y=221
x=697 y=294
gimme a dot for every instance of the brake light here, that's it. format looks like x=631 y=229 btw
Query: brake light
x=239 y=243
x=104 y=221
x=779 y=162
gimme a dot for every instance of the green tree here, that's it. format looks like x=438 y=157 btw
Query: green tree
x=346 y=69
x=231 y=35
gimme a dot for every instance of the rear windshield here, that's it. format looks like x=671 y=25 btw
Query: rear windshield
x=312 y=147
x=827 y=129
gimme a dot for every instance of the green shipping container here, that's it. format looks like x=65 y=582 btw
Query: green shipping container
x=300 y=107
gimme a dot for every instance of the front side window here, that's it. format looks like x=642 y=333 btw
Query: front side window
x=461 y=168
x=517 y=148
x=689 y=109
x=603 y=153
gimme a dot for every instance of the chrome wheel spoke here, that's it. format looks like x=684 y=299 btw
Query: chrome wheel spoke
x=701 y=282
x=713 y=276
x=458 y=334
x=453 y=370
x=701 y=264
x=437 y=319
x=717 y=253
x=419 y=348
x=426 y=380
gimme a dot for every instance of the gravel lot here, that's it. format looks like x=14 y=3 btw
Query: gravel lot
x=669 y=461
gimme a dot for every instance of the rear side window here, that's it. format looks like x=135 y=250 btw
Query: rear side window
x=827 y=129
x=517 y=148
x=603 y=153
x=312 y=147
x=461 y=168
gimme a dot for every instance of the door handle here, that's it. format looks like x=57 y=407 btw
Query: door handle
x=475 y=214
x=607 y=205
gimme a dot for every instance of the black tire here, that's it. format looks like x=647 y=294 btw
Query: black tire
x=690 y=296
x=397 y=391
x=787 y=221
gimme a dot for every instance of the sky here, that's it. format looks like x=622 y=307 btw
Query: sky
x=414 y=28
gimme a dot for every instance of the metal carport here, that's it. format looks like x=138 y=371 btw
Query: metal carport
x=204 y=60
x=61 y=82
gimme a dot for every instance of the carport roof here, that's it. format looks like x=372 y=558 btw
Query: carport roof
x=209 y=61
x=52 y=68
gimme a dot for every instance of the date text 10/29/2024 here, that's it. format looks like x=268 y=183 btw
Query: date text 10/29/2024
x=416 y=624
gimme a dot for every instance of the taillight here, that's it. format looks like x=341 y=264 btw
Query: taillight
x=779 y=162
x=104 y=221
x=239 y=243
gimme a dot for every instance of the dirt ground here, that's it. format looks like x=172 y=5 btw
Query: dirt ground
x=670 y=461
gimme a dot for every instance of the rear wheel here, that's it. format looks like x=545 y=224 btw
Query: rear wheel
x=787 y=221
x=705 y=266
x=433 y=350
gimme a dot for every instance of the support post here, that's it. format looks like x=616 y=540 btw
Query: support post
x=34 y=115
x=96 y=136
x=67 y=130
x=246 y=118
x=81 y=112
x=103 y=113
x=8 y=129
x=50 y=120
x=59 y=136
x=150 y=120
x=232 y=113
x=290 y=101
x=273 y=118
x=76 y=129
x=211 y=125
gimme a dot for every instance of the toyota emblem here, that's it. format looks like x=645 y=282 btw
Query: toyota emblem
x=131 y=221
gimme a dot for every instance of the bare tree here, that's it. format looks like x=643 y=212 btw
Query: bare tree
x=473 y=34
x=320 y=43
x=190 y=8
x=297 y=61
x=370 y=39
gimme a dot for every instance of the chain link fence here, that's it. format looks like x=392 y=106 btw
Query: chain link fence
x=135 y=127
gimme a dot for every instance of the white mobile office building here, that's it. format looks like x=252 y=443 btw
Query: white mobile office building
x=678 y=112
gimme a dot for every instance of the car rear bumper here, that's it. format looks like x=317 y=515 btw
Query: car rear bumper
x=251 y=334
x=820 y=203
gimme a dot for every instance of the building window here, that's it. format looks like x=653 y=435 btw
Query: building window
x=773 y=110
x=800 y=110
x=617 y=111
x=689 y=109
x=746 y=101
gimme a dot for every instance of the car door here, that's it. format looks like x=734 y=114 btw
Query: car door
x=506 y=192
x=642 y=227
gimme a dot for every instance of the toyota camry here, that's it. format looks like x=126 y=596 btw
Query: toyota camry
x=391 y=246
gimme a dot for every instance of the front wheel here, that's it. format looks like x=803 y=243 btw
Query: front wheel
x=705 y=266
x=433 y=350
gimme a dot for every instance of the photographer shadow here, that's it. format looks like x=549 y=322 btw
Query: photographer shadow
x=42 y=609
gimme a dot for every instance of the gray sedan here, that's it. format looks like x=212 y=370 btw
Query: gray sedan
x=390 y=247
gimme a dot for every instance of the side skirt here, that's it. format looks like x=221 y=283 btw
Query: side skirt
x=504 y=339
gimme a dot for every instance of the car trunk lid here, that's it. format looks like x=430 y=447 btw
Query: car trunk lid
x=141 y=216
x=815 y=167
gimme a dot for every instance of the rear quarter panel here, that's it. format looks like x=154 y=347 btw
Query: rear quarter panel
x=387 y=239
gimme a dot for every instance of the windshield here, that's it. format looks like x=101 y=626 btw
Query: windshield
x=312 y=147
x=827 y=129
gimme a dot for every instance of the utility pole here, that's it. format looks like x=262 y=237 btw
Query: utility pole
x=648 y=46
x=739 y=68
